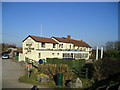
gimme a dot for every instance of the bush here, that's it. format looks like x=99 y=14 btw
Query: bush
x=53 y=69
x=106 y=67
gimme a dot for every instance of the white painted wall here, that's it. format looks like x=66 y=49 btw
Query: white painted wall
x=34 y=54
x=34 y=45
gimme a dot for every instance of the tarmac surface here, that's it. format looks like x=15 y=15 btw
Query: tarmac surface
x=11 y=71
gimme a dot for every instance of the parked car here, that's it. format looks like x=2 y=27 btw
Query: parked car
x=5 y=56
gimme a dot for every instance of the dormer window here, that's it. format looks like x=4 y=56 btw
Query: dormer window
x=43 y=45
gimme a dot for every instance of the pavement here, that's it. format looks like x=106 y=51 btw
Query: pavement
x=11 y=71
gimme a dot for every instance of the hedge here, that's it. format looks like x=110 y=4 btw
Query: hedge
x=78 y=64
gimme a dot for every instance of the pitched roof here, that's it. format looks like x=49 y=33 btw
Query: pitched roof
x=42 y=39
x=65 y=40
x=79 y=43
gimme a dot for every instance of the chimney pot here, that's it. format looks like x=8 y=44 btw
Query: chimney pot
x=69 y=36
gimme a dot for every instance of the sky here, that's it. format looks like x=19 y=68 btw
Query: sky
x=93 y=22
x=60 y=0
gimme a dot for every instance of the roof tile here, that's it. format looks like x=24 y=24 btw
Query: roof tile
x=42 y=39
x=79 y=43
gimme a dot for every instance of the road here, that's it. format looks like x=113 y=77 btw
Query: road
x=11 y=71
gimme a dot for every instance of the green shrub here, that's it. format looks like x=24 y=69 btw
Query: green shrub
x=78 y=64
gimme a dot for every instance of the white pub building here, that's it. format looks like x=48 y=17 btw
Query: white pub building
x=36 y=48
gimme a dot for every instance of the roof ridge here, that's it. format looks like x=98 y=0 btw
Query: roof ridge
x=39 y=37
x=42 y=39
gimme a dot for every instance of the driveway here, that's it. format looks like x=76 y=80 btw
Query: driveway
x=11 y=71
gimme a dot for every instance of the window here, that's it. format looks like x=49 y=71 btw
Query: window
x=60 y=45
x=64 y=55
x=53 y=45
x=29 y=49
x=71 y=55
x=84 y=49
x=67 y=55
x=43 y=45
x=52 y=53
x=85 y=55
x=28 y=44
x=57 y=53
x=76 y=55
x=32 y=48
x=39 y=56
x=26 y=48
x=70 y=46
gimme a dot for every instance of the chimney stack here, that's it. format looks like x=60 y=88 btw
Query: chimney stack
x=68 y=36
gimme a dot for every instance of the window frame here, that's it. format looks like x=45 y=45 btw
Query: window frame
x=43 y=45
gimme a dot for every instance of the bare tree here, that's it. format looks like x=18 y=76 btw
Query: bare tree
x=113 y=45
x=109 y=45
